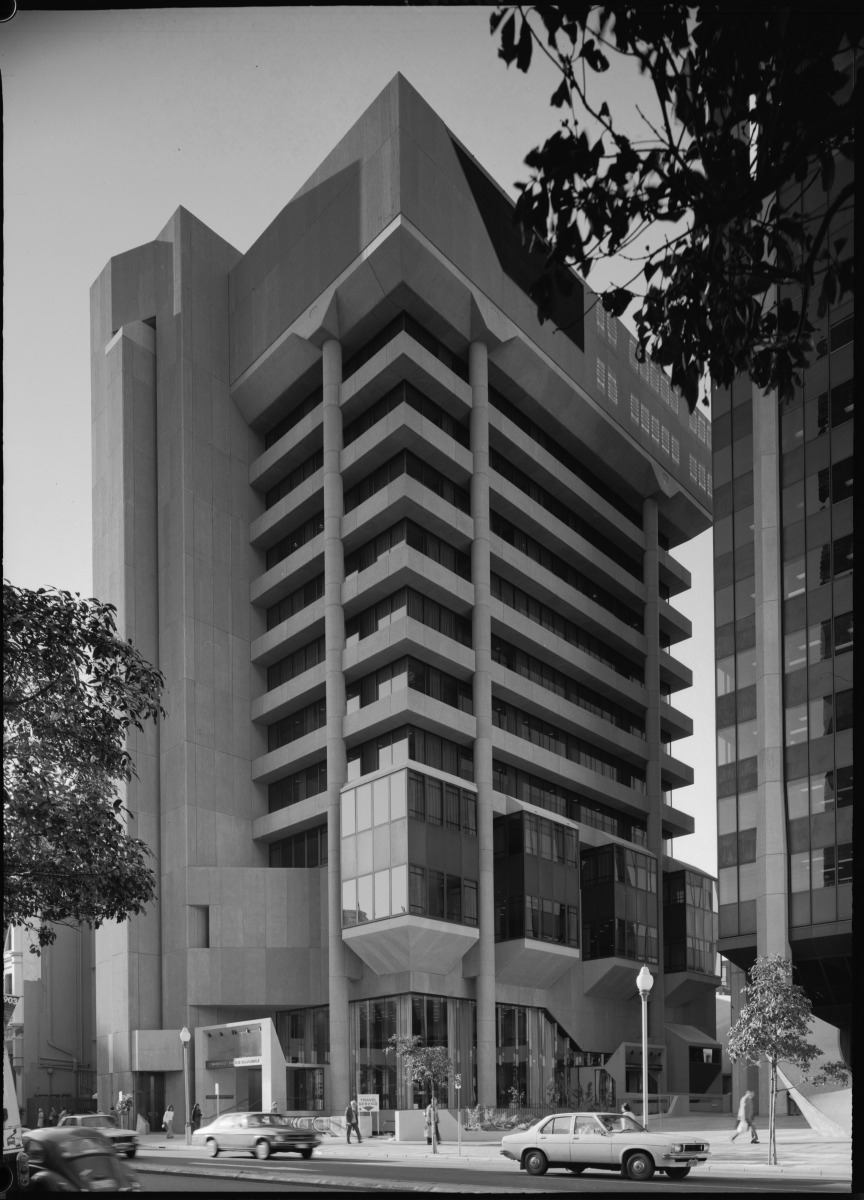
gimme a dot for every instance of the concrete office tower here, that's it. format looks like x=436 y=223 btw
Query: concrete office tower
x=783 y=478
x=404 y=557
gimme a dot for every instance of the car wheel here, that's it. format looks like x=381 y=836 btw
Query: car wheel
x=262 y=1149
x=212 y=1148
x=130 y=1153
x=677 y=1172
x=535 y=1162
x=639 y=1166
x=307 y=1153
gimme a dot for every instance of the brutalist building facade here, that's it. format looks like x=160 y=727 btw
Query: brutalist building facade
x=405 y=558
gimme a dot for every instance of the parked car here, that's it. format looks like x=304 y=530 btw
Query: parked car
x=605 y=1141
x=72 y=1159
x=261 y=1133
x=124 y=1141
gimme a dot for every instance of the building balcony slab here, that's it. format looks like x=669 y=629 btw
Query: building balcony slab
x=611 y=978
x=526 y=962
x=684 y=986
x=410 y=943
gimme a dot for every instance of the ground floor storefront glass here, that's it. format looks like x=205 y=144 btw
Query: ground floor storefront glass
x=538 y=1064
x=438 y=1020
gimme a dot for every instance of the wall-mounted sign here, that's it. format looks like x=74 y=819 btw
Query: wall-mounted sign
x=222 y=1064
x=219 y=1096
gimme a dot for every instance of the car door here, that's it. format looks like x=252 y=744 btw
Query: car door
x=225 y=1132
x=241 y=1134
x=553 y=1138
x=592 y=1144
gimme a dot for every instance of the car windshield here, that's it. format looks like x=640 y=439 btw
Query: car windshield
x=99 y=1121
x=82 y=1147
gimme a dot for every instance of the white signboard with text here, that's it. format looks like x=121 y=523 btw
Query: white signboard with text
x=367 y=1103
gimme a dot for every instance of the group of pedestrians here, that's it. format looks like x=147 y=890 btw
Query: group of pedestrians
x=430 y=1122
x=168 y=1119
x=53 y=1117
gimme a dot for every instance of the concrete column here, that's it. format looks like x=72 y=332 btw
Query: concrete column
x=772 y=913
x=481 y=628
x=651 y=576
x=772 y=904
x=334 y=642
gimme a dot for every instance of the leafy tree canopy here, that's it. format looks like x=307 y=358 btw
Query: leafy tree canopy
x=72 y=688
x=773 y=1026
x=428 y=1066
x=774 y=1021
x=728 y=204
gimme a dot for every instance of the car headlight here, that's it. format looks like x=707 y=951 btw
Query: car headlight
x=677 y=1148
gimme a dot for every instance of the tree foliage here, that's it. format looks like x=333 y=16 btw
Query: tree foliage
x=733 y=182
x=428 y=1066
x=773 y=1026
x=72 y=690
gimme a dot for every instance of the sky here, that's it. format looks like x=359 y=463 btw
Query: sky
x=114 y=119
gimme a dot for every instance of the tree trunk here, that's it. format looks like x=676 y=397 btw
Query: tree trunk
x=772 y=1114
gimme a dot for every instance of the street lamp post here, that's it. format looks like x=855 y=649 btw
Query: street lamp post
x=457 y=1084
x=644 y=982
x=185 y=1038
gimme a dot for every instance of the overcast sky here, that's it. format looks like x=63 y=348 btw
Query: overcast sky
x=114 y=119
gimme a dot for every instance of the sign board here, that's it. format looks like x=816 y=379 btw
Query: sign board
x=367 y=1103
x=219 y=1064
x=219 y=1096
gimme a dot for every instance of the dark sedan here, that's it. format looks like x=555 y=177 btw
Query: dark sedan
x=71 y=1159
x=261 y=1133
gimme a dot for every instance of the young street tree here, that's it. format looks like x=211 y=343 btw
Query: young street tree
x=772 y=1027
x=428 y=1066
x=737 y=187
x=72 y=689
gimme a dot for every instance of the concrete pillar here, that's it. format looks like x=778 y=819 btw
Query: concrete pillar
x=334 y=642
x=772 y=914
x=651 y=576
x=481 y=628
x=772 y=905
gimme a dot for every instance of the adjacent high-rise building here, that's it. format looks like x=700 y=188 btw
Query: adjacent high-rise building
x=405 y=558
x=783 y=565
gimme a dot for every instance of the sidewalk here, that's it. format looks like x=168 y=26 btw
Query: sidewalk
x=801 y=1152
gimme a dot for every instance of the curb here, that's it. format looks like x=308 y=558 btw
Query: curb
x=327 y=1181
x=792 y=1170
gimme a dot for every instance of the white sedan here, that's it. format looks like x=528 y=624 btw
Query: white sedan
x=605 y=1141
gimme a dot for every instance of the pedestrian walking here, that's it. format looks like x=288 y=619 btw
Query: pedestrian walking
x=62 y=1115
x=168 y=1121
x=626 y=1111
x=196 y=1116
x=40 y=1119
x=430 y=1122
x=352 y=1121
x=52 y=1116
x=745 y=1118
